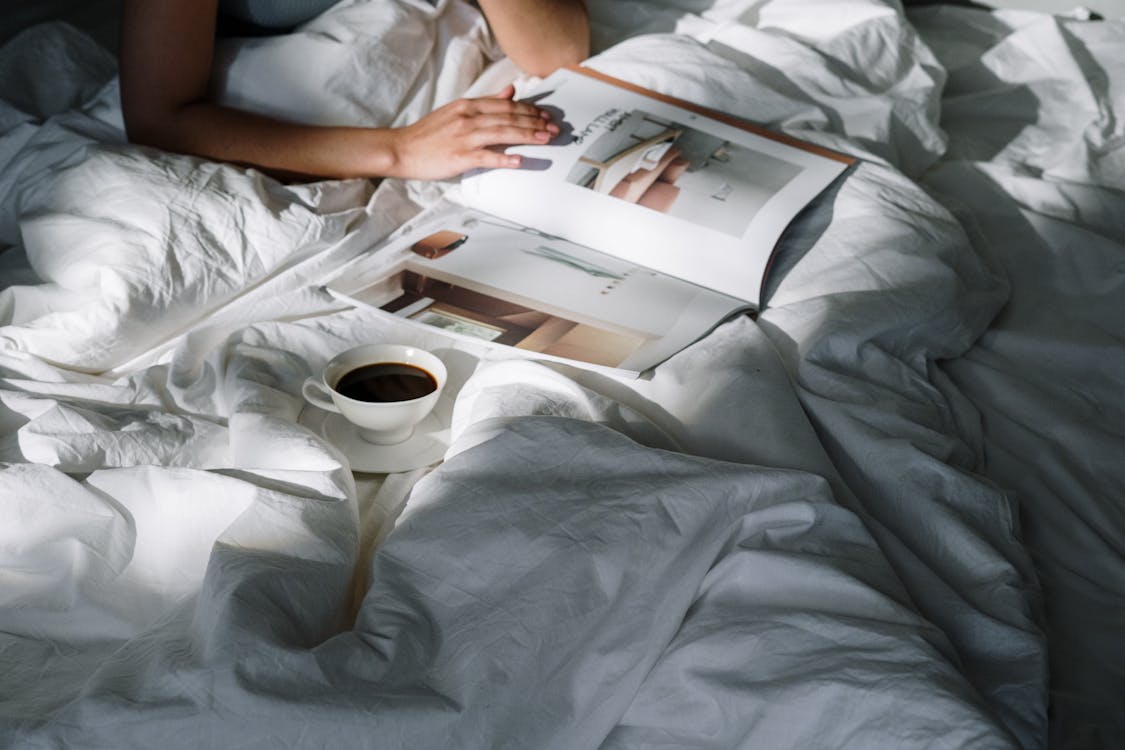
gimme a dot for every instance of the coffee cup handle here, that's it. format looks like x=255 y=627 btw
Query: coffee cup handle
x=316 y=393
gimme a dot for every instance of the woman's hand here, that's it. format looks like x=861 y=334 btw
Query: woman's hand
x=465 y=134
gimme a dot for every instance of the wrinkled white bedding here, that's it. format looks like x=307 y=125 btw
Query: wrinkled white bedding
x=782 y=537
x=1045 y=205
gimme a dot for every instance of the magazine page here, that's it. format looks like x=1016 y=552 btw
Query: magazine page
x=657 y=182
x=474 y=275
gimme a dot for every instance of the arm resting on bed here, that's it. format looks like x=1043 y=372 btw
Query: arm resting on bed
x=167 y=48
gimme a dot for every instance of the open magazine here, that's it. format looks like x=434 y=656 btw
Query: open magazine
x=644 y=224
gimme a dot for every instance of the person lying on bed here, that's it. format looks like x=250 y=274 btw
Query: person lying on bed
x=166 y=56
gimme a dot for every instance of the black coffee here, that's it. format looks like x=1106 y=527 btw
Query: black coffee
x=386 y=381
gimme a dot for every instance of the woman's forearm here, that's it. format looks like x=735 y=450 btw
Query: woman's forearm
x=540 y=36
x=166 y=55
x=223 y=134
x=451 y=140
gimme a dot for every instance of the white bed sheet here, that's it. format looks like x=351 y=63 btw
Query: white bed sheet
x=1045 y=204
x=184 y=563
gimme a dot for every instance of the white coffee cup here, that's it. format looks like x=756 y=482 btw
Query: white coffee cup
x=382 y=422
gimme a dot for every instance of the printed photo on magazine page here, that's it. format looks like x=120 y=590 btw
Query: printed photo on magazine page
x=476 y=276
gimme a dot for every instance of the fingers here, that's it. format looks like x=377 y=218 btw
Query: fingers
x=524 y=122
x=485 y=159
x=500 y=107
x=506 y=136
x=508 y=126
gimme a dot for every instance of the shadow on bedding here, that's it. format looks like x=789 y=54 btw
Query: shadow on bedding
x=558 y=586
x=1044 y=380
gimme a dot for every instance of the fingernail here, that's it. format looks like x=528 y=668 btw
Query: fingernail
x=553 y=128
x=542 y=135
x=513 y=161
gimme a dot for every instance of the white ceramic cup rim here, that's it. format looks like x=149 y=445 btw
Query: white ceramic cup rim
x=379 y=422
x=381 y=354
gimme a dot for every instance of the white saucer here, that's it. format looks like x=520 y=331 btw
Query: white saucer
x=426 y=446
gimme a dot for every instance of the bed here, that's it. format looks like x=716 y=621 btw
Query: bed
x=887 y=512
